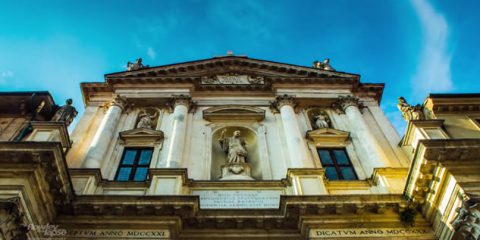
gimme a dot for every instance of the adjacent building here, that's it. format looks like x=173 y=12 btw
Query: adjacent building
x=237 y=148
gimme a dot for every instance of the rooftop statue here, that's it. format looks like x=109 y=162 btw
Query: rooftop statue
x=135 y=66
x=234 y=146
x=410 y=112
x=65 y=113
x=325 y=65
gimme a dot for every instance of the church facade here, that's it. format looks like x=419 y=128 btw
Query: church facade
x=237 y=148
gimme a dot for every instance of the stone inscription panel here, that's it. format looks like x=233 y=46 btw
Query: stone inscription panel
x=234 y=199
x=369 y=232
x=117 y=234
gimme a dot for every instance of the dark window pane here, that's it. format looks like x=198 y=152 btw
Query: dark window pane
x=331 y=173
x=145 y=157
x=325 y=157
x=348 y=173
x=129 y=156
x=341 y=157
x=141 y=174
x=124 y=174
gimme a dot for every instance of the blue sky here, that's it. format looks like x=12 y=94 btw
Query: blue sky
x=416 y=47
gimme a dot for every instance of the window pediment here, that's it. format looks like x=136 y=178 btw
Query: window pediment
x=141 y=137
x=328 y=136
x=234 y=113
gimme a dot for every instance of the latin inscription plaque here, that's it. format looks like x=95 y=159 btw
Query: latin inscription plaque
x=117 y=234
x=369 y=232
x=234 y=199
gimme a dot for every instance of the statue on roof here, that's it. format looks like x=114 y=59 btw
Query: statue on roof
x=137 y=65
x=65 y=113
x=325 y=65
x=410 y=112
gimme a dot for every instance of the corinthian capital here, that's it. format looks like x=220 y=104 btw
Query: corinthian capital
x=118 y=101
x=281 y=101
x=343 y=102
x=181 y=99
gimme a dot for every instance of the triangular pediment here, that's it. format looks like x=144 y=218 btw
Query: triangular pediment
x=230 y=65
x=141 y=136
x=233 y=112
x=328 y=135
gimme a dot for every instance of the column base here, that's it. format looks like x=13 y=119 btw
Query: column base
x=236 y=171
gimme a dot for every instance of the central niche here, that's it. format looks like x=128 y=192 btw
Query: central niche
x=238 y=159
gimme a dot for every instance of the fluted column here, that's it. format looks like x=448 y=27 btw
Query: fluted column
x=294 y=138
x=180 y=104
x=374 y=152
x=104 y=134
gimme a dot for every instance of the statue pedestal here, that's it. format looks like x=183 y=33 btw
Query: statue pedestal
x=236 y=171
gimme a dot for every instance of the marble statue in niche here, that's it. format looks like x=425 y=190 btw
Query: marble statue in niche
x=65 y=113
x=321 y=120
x=234 y=146
x=145 y=120
x=236 y=166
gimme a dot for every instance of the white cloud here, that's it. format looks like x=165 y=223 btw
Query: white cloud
x=151 y=53
x=433 y=72
x=5 y=75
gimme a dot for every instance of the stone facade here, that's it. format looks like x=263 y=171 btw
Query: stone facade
x=297 y=178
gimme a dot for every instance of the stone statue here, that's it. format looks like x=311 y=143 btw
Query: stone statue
x=410 y=112
x=234 y=146
x=325 y=65
x=65 y=113
x=145 y=120
x=467 y=221
x=321 y=120
x=135 y=66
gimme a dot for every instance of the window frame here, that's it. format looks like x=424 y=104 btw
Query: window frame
x=335 y=164
x=135 y=165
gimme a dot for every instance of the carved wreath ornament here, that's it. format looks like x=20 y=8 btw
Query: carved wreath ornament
x=232 y=80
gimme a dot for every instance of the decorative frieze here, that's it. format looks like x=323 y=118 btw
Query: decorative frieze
x=233 y=79
x=12 y=224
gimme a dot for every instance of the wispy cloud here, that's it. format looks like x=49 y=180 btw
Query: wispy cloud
x=4 y=76
x=151 y=53
x=433 y=72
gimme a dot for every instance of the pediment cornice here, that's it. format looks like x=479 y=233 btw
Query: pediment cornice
x=141 y=137
x=328 y=136
x=234 y=113
x=229 y=64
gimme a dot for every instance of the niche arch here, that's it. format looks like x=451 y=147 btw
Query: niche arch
x=219 y=157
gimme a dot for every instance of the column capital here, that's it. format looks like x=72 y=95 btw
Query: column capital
x=117 y=101
x=283 y=100
x=181 y=99
x=343 y=102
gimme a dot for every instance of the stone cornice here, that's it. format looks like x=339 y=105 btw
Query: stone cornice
x=453 y=103
x=230 y=63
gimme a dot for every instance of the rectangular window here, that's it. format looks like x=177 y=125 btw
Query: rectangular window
x=134 y=164
x=336 y=163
